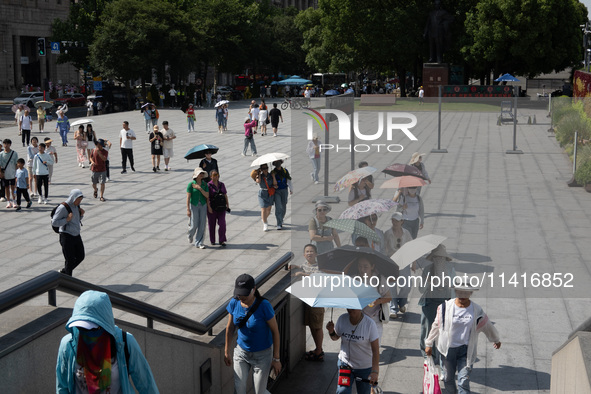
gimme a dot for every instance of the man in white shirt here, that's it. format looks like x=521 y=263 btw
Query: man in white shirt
x=167 y=144
x=126 y=137
x=421 y=96
x=172 y=94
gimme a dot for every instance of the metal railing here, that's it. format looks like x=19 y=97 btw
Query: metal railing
x=52 y=281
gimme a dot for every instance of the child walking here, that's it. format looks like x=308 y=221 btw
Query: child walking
x=22 y=179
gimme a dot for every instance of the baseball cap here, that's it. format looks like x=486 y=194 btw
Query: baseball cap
x=244 y=285
x=84 y=324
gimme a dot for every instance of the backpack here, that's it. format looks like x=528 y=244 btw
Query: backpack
x=56 y=228
x=218 y=201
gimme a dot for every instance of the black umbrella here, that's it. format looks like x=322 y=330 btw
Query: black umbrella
x=398 y=169
x=199 y=151
x=338 y=260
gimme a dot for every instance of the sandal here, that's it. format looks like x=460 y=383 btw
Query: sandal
x=103 y=199
x=95 y=194
x=311 y=356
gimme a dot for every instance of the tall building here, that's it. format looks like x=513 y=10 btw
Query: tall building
x=21 y=60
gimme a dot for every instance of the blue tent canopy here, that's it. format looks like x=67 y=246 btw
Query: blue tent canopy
x=506 y=78
x=294 y=80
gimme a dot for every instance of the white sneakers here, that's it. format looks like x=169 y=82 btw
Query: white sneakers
x=40 y=200
x=279 y=227
x=45 y=201
x=316 y=182
x=265 y=227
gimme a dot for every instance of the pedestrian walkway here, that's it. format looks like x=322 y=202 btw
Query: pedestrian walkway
x=136 y=241
x=501 y=213
x=498 y=211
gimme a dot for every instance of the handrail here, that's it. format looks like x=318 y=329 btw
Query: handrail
x=52 y=281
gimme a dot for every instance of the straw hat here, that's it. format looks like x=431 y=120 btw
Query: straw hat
x=439 y=251
x=197 y=172
x=415 y=157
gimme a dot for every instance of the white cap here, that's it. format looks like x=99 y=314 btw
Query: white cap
x=84 y=324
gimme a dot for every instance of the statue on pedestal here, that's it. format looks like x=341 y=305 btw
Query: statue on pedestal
x=438 y=32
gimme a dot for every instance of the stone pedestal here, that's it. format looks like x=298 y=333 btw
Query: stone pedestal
x=434 y=75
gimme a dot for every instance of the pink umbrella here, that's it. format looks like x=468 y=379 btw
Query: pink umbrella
x=403 y=181
x=21 y=106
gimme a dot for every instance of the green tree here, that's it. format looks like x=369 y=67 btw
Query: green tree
x=523 y=36
x=136 y=36
x=79 y=26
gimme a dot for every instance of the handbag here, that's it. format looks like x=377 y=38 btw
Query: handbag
x=270 y=190
x=431 y=377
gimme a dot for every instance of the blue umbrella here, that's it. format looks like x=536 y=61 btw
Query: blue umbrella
x=274 y=83
x=294 y=80
x=506 y=78
x=333 y=291
x=332 y=92
x=199 y=151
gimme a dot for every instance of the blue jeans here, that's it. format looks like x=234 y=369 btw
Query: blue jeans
x=260 y=362
x=400 y=294
x=456 y=360
x=412 y=226
x=148 y=125
x=280 y=205
x=315 y=168
x=253 y=147
x=362 y=387
x=190 y=124
x=197 y=223
x=428 y=315
x=64 y=135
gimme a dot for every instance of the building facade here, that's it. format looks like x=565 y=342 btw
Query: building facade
x=22 y=22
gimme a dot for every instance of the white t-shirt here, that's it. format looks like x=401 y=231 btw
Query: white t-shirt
x=412 y=207
x=262 y=115
x=356 y=341
x=125 y=143
x=421 y=93
x=254 y=114
x=167 y=144
x=26 y=122
x=461 y=325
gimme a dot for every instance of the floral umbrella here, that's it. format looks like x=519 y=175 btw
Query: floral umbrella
x=353 y=177
x=366 y=208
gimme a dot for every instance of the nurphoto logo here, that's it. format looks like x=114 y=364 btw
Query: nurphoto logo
x=391 y=120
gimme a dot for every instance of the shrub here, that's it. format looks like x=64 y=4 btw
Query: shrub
x=583 y=173
x=571 y=121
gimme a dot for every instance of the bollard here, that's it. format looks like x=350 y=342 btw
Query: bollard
x=499 y=123
x=535 y=119
x=529 y=120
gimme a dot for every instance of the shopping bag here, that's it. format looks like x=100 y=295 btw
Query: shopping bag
x=431 y=377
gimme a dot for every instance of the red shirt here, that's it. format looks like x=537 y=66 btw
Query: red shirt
x=191 y=113
x=98 y=164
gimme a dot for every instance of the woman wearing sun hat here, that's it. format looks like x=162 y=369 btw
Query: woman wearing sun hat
x=432 y=297
x=324 y=238
x=456 y=329
x=197 y=205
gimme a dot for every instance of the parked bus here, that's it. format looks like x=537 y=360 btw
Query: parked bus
x=329 y=80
